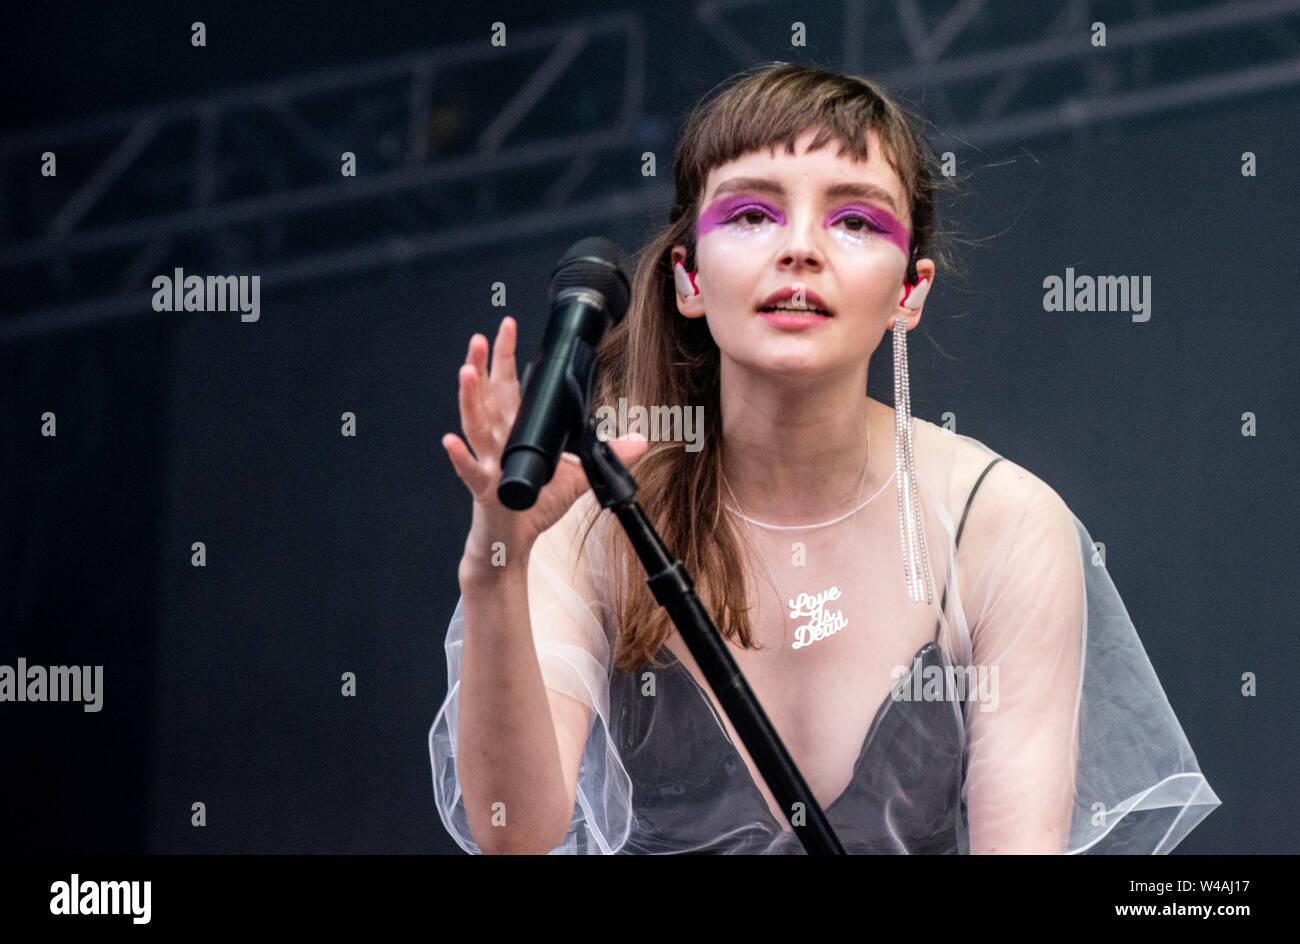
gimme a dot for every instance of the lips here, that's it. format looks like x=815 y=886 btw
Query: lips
x=813 y=301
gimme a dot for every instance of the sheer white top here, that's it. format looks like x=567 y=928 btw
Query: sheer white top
x=1018 y=706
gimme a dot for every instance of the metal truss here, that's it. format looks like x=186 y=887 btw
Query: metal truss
x=251 y=176
x=1024 y=69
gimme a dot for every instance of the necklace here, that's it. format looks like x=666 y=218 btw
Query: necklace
x=820 y=621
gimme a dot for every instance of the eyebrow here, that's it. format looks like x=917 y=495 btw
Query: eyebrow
x=847 y=189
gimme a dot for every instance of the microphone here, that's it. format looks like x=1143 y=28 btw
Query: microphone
x=589 y=293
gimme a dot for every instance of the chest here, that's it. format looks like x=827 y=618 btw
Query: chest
x=823 y=674
x=835 y=632
x=696 y=789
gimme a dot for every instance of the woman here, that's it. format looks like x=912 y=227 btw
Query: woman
x=922 y=620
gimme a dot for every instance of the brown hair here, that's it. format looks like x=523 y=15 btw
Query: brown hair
x=656 y=356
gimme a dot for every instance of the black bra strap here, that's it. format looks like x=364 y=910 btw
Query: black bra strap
x=960 y=527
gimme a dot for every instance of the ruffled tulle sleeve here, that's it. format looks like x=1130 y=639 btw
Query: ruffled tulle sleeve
x=1078 y=750
x=573 y=635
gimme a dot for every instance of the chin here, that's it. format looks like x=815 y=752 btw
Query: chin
x=795 y=364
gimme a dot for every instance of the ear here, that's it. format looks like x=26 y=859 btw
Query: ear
x=691 y=306
x=916 y=293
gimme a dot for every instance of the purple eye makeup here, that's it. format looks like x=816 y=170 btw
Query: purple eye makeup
x=876 y=221
x=862 y=222
x=724 y=211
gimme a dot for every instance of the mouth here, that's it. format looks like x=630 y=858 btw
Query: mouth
x=782 y=303
x=793 y=320
x=791 y=310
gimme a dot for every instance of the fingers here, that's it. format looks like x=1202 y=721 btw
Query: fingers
x=628 y=448
x=478 y=432
x=505 y=381
x=500 y=385
x=503 y=354
x=467 y=468
x=570 y=479
x=488 y=404
x=477 y=358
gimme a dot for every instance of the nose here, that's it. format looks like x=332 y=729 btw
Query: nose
x=802 y=244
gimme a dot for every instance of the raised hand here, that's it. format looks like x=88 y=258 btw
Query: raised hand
x=489 y=402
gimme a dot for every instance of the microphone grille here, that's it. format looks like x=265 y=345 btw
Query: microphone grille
x=595 y=263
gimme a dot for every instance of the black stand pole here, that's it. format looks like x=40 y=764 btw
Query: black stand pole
x=672 y=586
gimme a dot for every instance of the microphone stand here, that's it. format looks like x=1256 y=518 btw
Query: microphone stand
x=673 y=588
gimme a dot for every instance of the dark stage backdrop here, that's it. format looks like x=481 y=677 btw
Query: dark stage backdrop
x=328 y=554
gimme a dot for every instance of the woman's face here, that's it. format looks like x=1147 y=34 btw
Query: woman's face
x=833 y=230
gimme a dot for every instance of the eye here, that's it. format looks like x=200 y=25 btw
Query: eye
x=744 y=216
x=862 y=224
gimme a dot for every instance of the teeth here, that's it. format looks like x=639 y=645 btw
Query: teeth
x=795 y=308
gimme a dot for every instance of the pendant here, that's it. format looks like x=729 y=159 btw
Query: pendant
x=822 y=622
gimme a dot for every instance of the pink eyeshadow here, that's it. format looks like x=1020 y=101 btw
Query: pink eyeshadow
x=894 y=231
x=719 y=211
x=722 y=210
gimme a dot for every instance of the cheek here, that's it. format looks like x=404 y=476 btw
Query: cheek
x=870 y=274
x=750 y=246
x=870 y=271
x=876 y=253
x=732 y=243
x=733 y=262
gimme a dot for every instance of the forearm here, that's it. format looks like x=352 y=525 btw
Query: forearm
x=508 y=760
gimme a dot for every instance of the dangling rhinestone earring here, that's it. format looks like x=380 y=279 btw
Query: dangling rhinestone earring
x=911 y=526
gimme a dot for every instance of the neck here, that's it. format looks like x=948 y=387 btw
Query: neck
x=794 y=450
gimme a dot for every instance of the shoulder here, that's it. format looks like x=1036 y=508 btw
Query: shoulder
x=1018 y=531
x=1003 y=494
